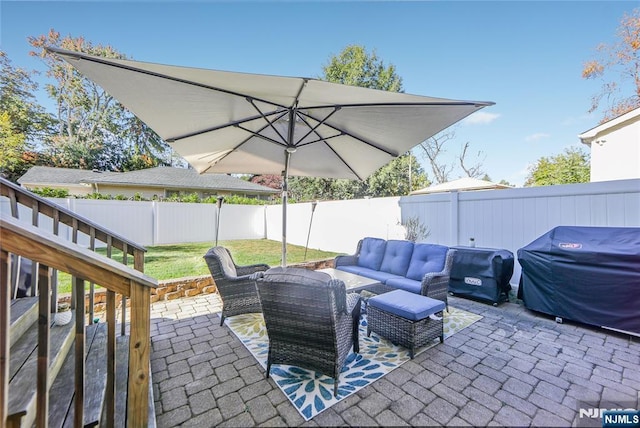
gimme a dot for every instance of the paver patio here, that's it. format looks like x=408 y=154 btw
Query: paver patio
x=512 y=368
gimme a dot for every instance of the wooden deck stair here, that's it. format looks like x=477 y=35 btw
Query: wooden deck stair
x=35 y=378
x=23 y=371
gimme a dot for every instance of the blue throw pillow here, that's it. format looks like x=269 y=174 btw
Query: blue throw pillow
x=397 y=256
x=426 y=258
x=371 y=253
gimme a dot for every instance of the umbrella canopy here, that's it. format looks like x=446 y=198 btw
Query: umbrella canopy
x=228 y=122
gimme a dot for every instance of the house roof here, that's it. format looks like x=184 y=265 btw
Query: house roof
x=589 y=136
x=50 y=175
x=462 y=184
x=162 y=177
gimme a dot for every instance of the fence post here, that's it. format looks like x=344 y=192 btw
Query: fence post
x=455 y=218
x=154 y=222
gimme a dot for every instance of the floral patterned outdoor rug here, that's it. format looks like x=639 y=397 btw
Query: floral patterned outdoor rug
x=312 y=392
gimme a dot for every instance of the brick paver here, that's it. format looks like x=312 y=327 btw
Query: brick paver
x=512 y=368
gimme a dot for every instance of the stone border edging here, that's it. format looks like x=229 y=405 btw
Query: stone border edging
x=171 y=289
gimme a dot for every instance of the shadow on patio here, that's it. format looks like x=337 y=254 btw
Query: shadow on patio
x=512 y=368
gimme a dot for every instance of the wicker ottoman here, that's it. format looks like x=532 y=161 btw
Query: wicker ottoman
x=406 y=319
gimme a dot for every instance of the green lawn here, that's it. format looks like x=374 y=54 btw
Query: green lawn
x=180 y=260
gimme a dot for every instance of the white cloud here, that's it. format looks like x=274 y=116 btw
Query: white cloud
x=481 y=118
x=537 y=136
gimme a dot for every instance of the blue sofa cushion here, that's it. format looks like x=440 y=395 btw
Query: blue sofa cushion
x=371 y=253
x=426 y=258
x=369 y=273
x=405 y=284
x=397 y=256
x=407 y=305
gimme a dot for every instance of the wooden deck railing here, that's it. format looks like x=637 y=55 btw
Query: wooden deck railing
x=79 y=225
x=50 y=251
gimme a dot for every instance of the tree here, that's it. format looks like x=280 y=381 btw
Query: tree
x=93 y=131
x=434 y=150
x=269 y=180
x=355 y=67
x=22 y=120
x=474 y=170
x=572 y=166
x=11 y=143
x=622 y=59
x=393 y=179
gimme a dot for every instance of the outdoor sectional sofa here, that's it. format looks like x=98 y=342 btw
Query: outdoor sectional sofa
x=416 y=267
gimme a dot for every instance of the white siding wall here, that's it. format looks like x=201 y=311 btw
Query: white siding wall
x=618 y=158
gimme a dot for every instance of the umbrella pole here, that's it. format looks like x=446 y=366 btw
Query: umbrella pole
x=291 y=148
x=284 y=216
x=285 y=190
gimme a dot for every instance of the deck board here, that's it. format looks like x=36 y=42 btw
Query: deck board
x=24 y=312
x=23 y=366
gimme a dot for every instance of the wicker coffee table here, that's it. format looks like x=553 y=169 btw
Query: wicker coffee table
x=353 y=283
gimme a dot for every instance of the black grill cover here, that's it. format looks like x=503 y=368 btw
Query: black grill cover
x=585 y=274
x=481 y=273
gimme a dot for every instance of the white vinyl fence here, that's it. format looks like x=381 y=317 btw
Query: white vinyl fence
x=507 y=219
x=337 y=225
x=157 y=223
x=512 y=218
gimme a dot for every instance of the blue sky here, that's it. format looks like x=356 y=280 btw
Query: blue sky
x=527 y=57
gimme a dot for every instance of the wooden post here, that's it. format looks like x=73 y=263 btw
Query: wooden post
x=74 y=280
x=92 y=287
x=54 y=273
x=110 y=392
x=123 y=315
x=5 y=307
x=78 y=420
x=139 y=356
x=44 y=321
x=35 y=211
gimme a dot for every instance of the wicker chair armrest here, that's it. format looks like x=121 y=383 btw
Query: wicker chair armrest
x=257 y=275
x=353 y=299
x=438 y=282
x=239 y=279
x=435 y=283
x=345 y=261
x=248 y=270
x=340 y=293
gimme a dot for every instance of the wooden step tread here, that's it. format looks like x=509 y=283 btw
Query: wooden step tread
x=61 y=393
x=61 y=413
x=24 y=312
x=122 y=379
x=23 y=370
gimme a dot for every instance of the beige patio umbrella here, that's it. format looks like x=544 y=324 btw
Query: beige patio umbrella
x=229 y=122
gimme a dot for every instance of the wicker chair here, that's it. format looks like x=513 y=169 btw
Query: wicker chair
x=310 y=319
x=234 y=283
